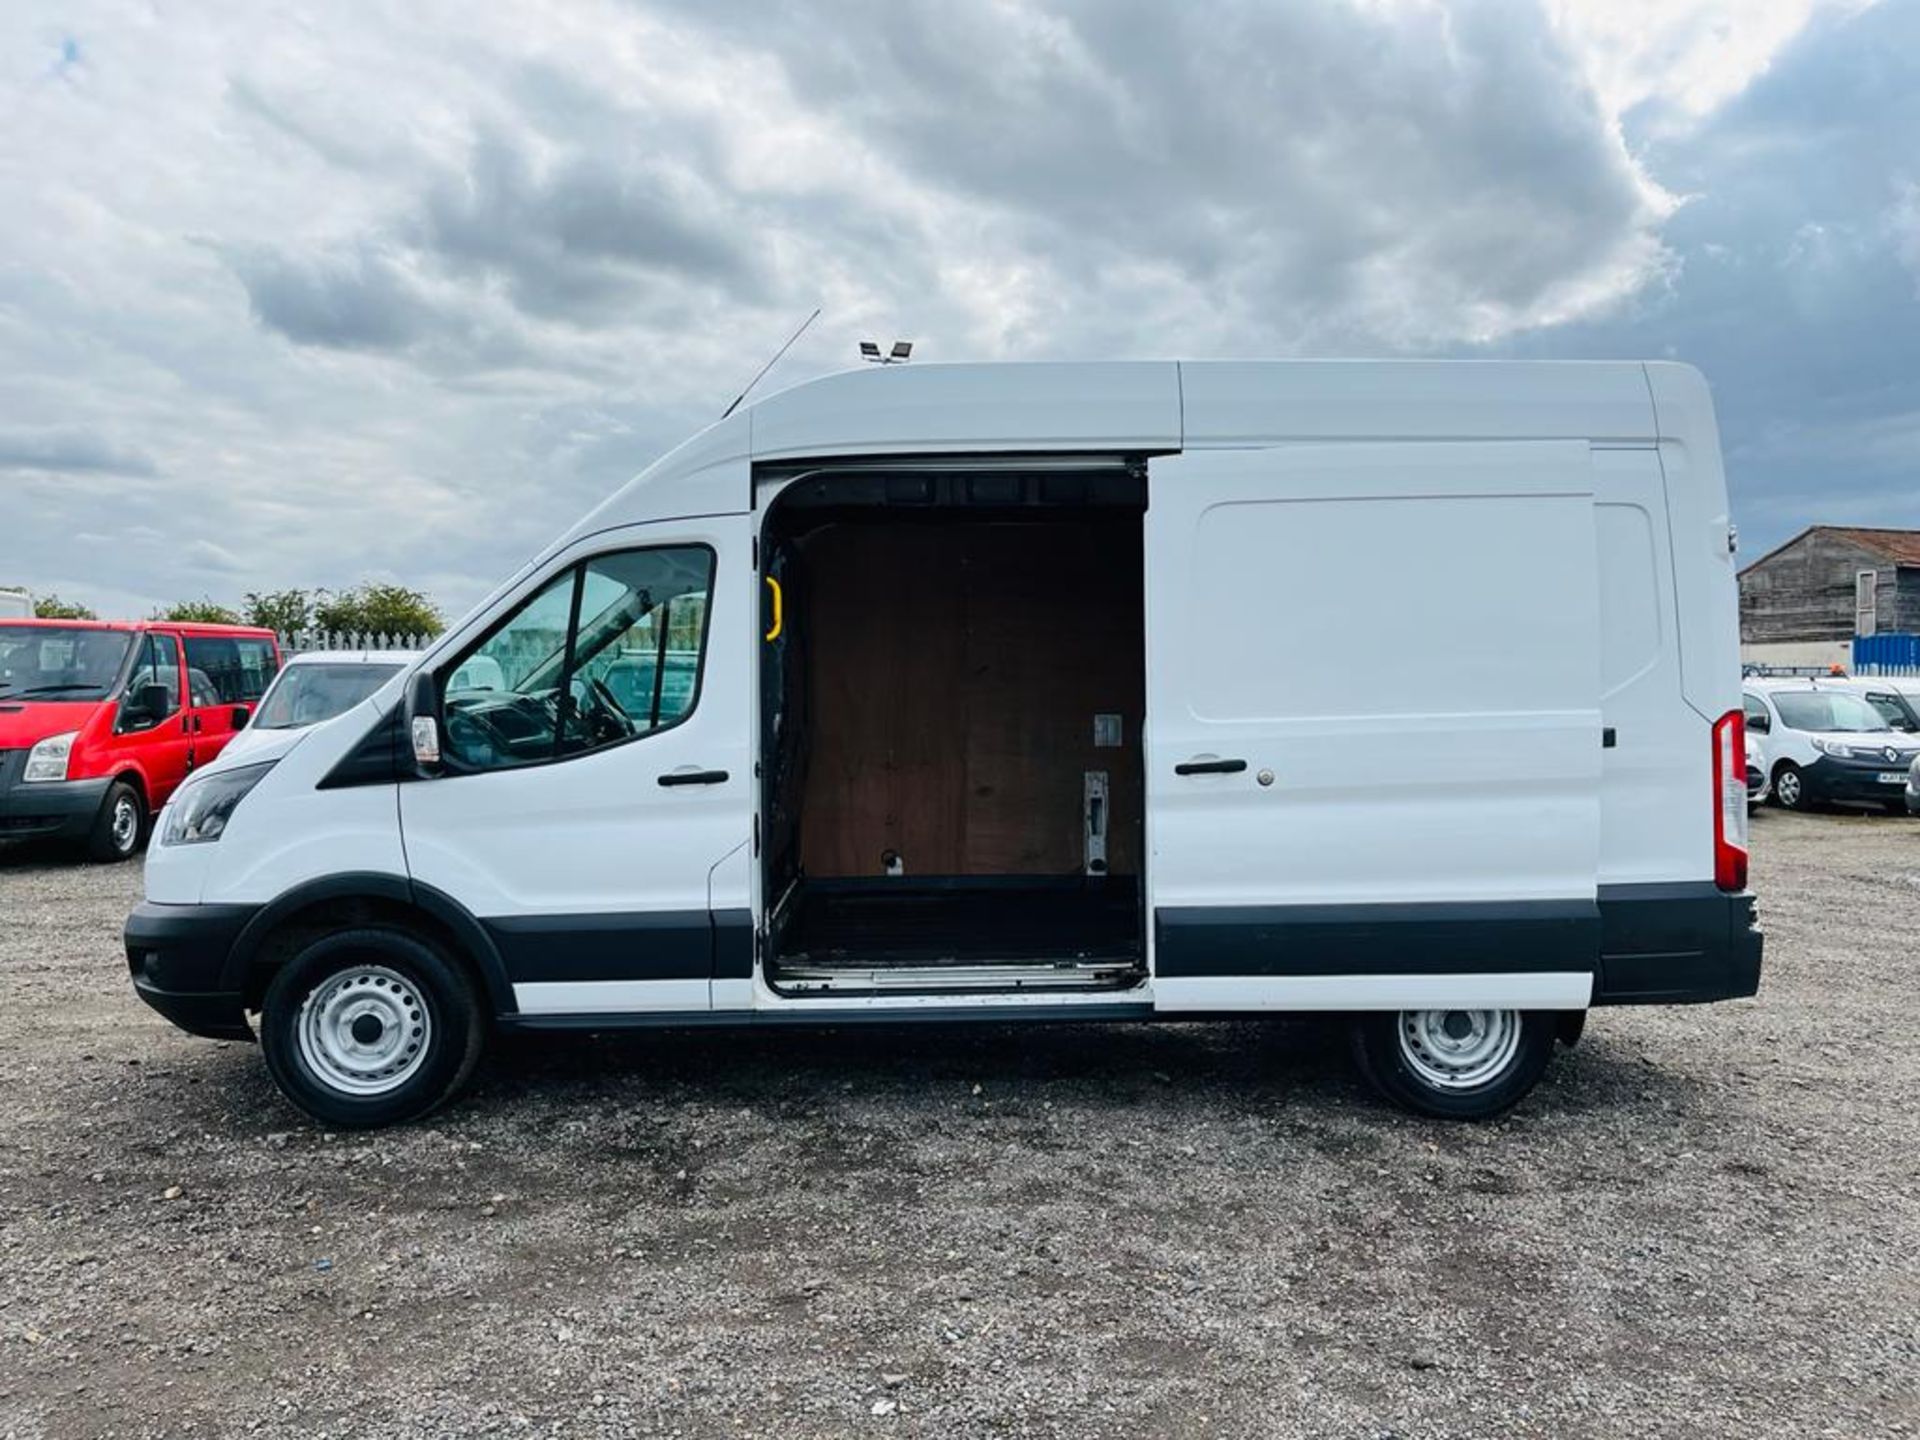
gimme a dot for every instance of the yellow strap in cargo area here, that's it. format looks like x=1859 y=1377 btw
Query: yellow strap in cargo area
x=778 y=607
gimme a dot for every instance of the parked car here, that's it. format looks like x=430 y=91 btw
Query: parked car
x=316 y=686
x=878 y=802
x=101 y=720
x=1825 y=741
x=1913 y=787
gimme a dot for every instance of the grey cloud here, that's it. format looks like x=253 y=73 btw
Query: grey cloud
x=357 y=300
x=580 y=235
x=1280 y=155
x=71 y=451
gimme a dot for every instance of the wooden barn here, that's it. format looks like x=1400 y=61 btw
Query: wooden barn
x=1830 y=583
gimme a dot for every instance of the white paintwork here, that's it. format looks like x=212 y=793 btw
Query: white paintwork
x=1553 y=542
x=288 y=831
x=611 y=997
x=1266 y=402
x=1123 y=405
x=1471 y=771
x=1661 y=747
x=1546 y=990
x=1705 y=590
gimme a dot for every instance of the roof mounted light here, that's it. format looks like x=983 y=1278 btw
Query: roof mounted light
x=901 y=352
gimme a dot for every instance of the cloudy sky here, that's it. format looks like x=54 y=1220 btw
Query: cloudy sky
x=301 y=295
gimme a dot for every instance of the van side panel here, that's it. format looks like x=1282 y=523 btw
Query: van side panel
x=1436 y=811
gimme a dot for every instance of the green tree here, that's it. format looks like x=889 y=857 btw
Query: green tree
x=199 y=612
x=285 y=612
x=52 y=607
x=378 y=609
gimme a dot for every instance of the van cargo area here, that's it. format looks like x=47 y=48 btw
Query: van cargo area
x=952 y=694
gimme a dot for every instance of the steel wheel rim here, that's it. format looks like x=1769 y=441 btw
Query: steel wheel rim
x=1787 y=788
x=124 y=826
x=365 y=1031
x=1459 y=1049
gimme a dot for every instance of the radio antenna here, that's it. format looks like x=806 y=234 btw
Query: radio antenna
x=771 y=363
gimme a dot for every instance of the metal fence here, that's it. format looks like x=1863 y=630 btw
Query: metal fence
x=1892 y=654
x=299 y=642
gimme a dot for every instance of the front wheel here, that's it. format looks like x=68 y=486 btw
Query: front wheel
x=1454 y=1064
x=120 y=825
x=371 y=1027
x=1789 y=787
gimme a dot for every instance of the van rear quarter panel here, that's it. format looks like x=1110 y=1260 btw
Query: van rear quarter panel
x=1656 y=783
x=1706 y=591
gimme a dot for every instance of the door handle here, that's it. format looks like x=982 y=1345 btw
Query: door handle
x=694 y=777
x=1209 y=767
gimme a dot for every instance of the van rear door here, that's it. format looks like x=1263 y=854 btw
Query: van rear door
x=1373 y=726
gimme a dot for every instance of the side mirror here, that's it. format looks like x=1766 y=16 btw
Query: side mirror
x=1759 y=724
x=239 y=716
x=421 y=712
x=144 y=707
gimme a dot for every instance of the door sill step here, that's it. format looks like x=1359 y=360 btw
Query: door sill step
x=802 y=978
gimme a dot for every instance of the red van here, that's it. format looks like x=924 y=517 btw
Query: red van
x=101 y=719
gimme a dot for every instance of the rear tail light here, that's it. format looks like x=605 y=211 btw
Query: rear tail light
x=1730 y=801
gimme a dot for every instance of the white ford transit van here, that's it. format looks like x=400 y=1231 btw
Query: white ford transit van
x=1031 y=692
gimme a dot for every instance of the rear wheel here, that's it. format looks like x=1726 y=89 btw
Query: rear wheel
x=371 y=1027
x=1455 y=1064
x=1789 y=787
x=120 y=826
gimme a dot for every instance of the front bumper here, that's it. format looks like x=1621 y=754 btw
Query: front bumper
x=1854 y=780
x=47 y=809
x=1676 y=944
x=177 y=956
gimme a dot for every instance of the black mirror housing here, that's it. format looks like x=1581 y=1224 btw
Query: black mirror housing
x=144 y=707
x=240 y=716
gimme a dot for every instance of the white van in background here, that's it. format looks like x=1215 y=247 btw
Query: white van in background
x=15 y=603
x=317 y=685
x=1827 y=740
x=1022 y=692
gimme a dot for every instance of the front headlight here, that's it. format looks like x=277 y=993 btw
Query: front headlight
x=1836 y=748
x=48 y=759
x=200 y=810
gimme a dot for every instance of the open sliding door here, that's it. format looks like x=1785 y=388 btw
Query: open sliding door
x=1374 y=736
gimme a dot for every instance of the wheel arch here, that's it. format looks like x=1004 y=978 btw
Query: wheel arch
x=336 y=902
x=137 y=778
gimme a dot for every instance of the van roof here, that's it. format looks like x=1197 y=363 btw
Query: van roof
x=1171 y=404
x=1165 y=406
x=251 y=632
x=352 y=657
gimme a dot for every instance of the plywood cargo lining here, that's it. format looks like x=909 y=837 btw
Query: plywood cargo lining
x=955 y=667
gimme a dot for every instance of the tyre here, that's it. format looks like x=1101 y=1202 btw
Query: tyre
x=1455 y=1064
x=1789 y=787
x=120 y=826
x=371 y=1027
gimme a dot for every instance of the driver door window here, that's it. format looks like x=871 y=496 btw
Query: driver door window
x=607 y=651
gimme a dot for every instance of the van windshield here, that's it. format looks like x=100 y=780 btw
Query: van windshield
x=1827 y=710
x=56 y=662
x=307 y=694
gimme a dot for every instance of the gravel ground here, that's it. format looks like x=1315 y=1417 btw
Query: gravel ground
x=1706 y=1220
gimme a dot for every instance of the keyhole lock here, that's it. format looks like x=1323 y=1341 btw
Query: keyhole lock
x=1265 y=777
